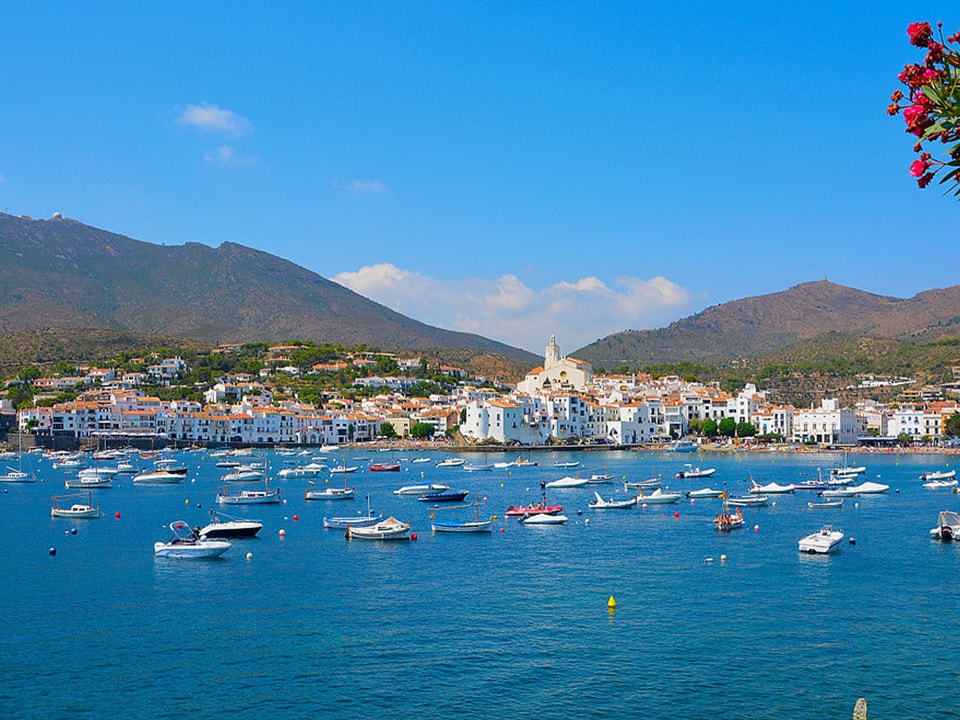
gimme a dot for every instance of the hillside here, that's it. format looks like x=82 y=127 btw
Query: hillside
x=61 y=274
x=764 y=324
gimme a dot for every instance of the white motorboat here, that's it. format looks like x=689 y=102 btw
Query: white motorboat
x=342 y=469
x=772 y=489
x=866 y=488
x=704 y=493
x=568 y=482
x=827 y=540
x=158 y=477
x=748 y=501
x=310 y=470
x=187 y=543
x=418 y=460
x=567 y=464
x=940 y=484
x=451 y=462
x=231 y=527
x=601 y=479
x=933 y=475
x=643 y=484
x=75 y=508
x=389 y=529
x=543 y=519
x=658 y=497
x=88 y=483
x=600 y=504
x=423 y=489
x=690 y=472
x=948 y=526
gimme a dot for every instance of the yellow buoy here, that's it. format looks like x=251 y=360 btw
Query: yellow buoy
x=612 y=603
x=186 y=501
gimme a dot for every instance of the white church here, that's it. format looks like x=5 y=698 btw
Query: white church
x=557 y=373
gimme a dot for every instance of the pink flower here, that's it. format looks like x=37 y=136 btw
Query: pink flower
x=918 y=168
x=920 y=33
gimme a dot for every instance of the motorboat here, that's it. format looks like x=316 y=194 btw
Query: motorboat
x=222 y=525
x=658 y=497
x=385 y=467
x=866 y=488
x=158 y=477
x=419 y=460
x=825 y=541
x=689 y=472
x=187 y=543
x=600 y=479
x=948 y=526
x=266 y=496
x=725 y=520
x=940 y=484
x=682 y=445
x=642 y=484
x=567 y=464
x=75 y=508
x=826 y=504
x=318 y=492
x=539 y=508
x=88 y=482
x=421 y=489
x=568 y=482
x=522 y=462
x=543 y=519
x=342 y=523
x=748 y=501
x=704 y=493
x=243 y=473
x=389 y=529
x=934 y=475
x=451 y=462
x=772 y=489
x=600 y=504
x=503 y=465
x=310 y=470
x=444 y=496
x=482 y=467
x=341 y=469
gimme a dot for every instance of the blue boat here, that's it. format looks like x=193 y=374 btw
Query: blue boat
x=451 y=496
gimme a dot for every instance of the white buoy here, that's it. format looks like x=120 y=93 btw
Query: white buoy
x=249 y=556
x=723 y=558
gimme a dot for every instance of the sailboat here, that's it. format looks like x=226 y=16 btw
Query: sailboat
x=18 y=475
x=328 y=493
x=355 y=520
x=472 y=526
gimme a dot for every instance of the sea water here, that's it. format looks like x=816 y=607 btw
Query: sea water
x=509 y=624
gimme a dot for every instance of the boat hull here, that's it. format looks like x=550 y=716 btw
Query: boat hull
x=479 y=526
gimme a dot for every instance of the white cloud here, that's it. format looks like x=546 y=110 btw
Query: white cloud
x=211 y=118
x=367 y=186
x=507 y=310
x=227 y=156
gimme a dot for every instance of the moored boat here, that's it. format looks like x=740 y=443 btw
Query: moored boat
x=534 y=509
x=158 y=477
x=567 y=482
x=389 y=529
x=598 y=503
x=222 y=525
x=748 y=501
x=385 y=467
x=826 y=504
x=422 y=489
x=690 y=472
x=76 y=508
x=658 y=497
x=187 y=543
x=948 y=526
x=230 y=496
x=932 y=475
x=543 y=519
x=827 y=540
x=704 y=493
x=444 y=496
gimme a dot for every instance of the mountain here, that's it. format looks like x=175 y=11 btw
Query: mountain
x=757 y=325
x=60 y=273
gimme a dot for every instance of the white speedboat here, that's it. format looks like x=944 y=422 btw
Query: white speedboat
x=826 y=504
x=568 y=482
x=567 y=464
x=827 y=540
x=158 y=477
x=389 y=529
x=705 y=493
x=643 y=484
x=658 y=497
x=310 y=470
x=748 y=501
x=451 y=462
x=690 y=472
x=932 y=475
x=423 y=489
x=940 y=484
x=543 y=519
x=772 y=489
x=187 y=543
x=225 y=526
x=948 y=526
x=600 y=504
x=866 y=488
x=601 y=479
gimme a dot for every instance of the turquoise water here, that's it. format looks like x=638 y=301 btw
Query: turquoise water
x=513 y=624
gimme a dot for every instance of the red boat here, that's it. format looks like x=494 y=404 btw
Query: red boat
x=385 y=467
x=540 y=508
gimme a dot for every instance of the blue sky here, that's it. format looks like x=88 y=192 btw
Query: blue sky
x=511 y=169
